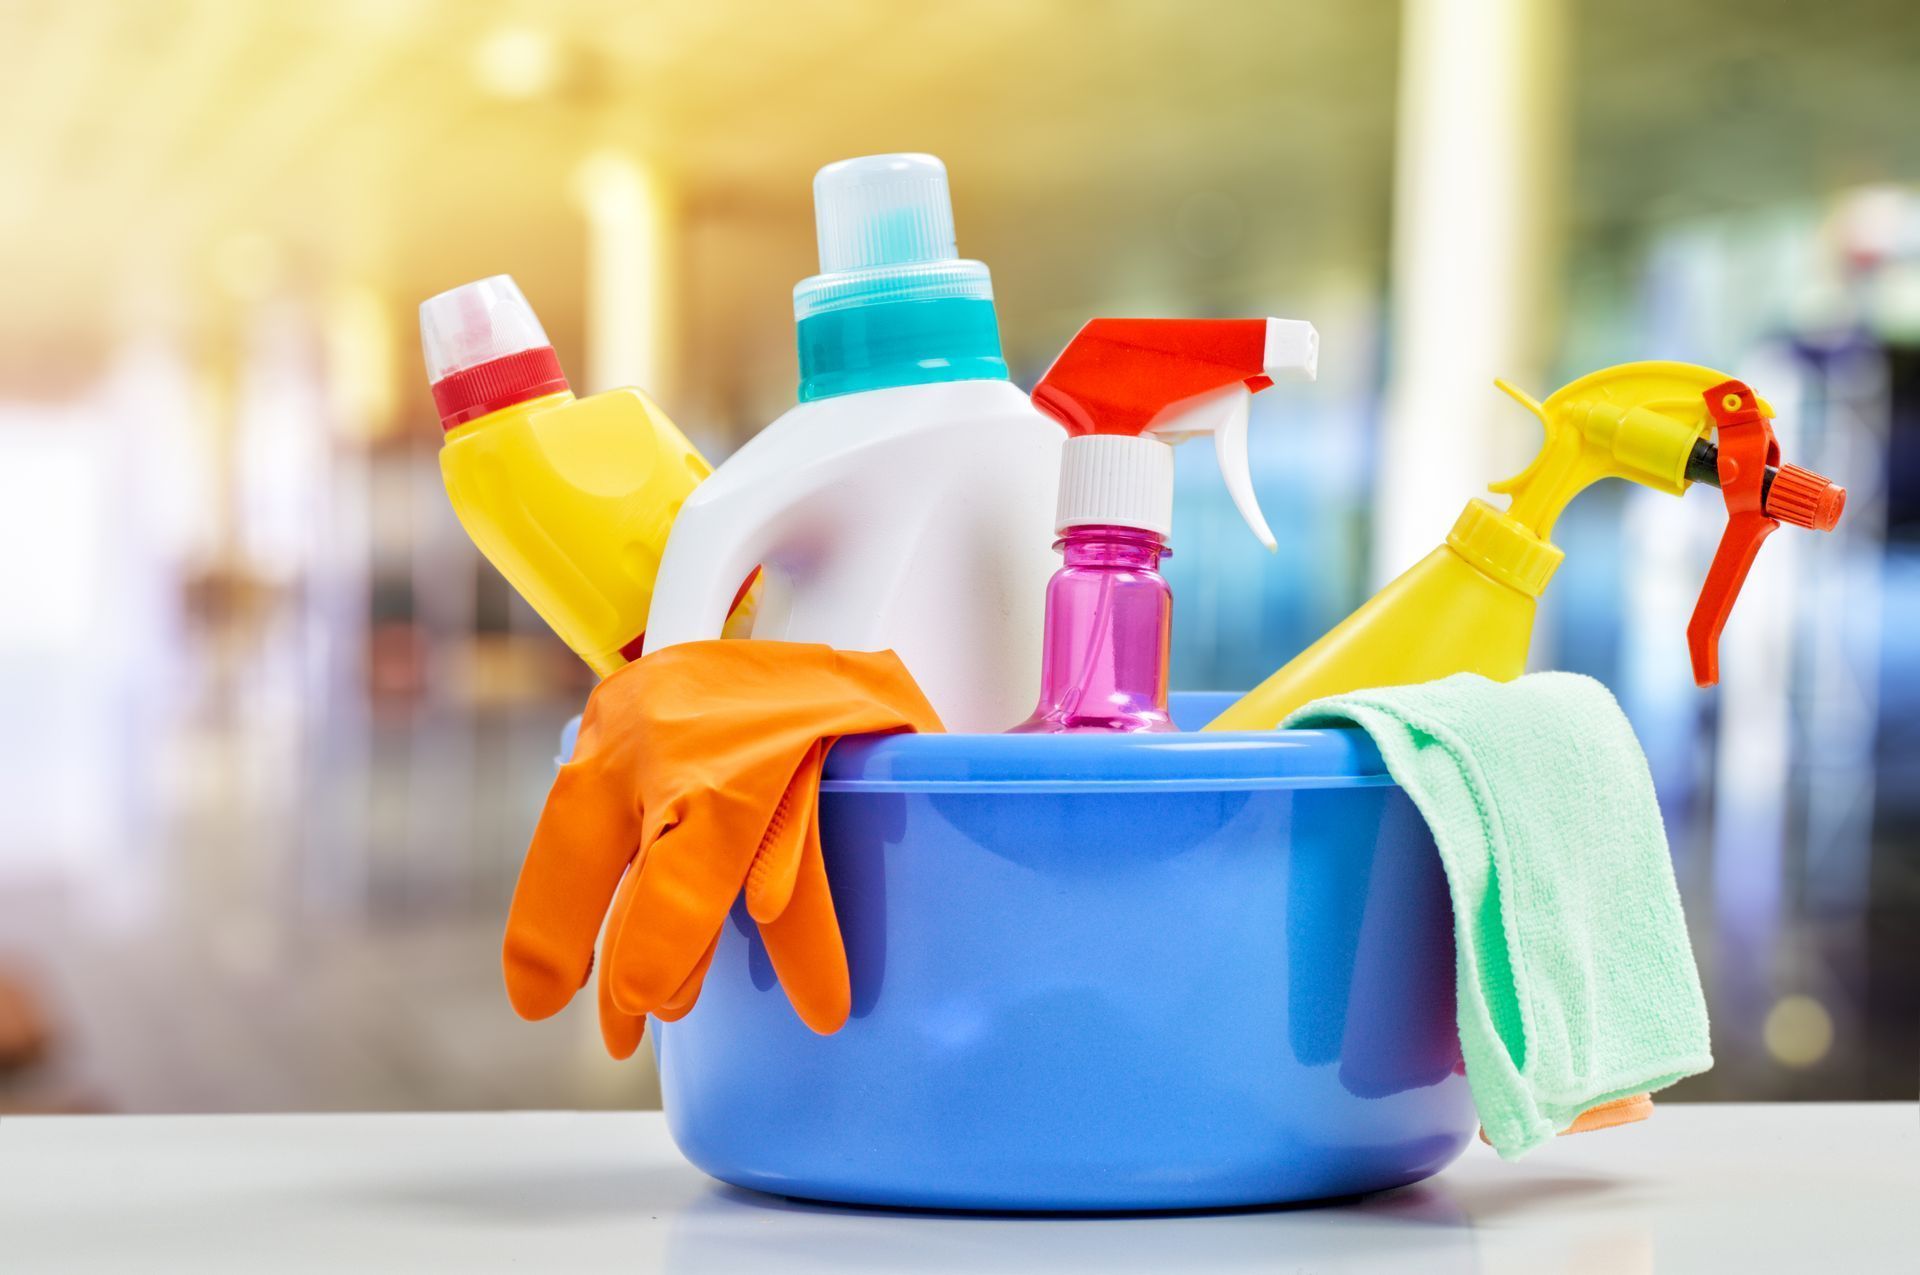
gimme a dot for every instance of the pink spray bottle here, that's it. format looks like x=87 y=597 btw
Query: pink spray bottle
x=1127 y=390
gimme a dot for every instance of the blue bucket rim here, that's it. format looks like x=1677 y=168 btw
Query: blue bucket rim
x=1187 y=761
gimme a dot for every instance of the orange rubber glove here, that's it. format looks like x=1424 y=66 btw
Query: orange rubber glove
x=697 y=777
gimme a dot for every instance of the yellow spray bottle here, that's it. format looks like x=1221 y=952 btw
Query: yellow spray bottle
x=1468 y=607
x=570 y=498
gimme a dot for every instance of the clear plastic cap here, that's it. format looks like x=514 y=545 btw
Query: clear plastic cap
x=885 y=229
x=476 y=323
x=883 y=210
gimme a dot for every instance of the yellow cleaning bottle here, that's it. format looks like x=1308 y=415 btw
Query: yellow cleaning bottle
x=1468 y=607
x=570 y=498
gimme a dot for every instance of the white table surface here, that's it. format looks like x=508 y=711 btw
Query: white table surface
x=1819 y=1188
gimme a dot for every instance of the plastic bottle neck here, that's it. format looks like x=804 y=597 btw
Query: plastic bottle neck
x=1107 y=545
x=893 y=343
x=1504 y=549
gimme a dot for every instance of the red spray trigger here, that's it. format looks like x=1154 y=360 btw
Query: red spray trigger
x=1119 y=374
x=1756 y=505
x=1170 y=379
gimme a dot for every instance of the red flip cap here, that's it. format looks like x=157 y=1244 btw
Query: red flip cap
x=473 y=392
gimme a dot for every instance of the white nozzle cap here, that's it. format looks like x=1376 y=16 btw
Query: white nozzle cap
x=476 y=323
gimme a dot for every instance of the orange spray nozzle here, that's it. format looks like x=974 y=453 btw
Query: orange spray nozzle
x=1760 y=494
x=1803 y=498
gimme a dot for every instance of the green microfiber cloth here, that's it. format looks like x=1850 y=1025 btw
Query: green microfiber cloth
x=1576 y=981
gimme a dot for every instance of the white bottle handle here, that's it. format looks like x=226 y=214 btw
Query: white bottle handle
x=700 y=573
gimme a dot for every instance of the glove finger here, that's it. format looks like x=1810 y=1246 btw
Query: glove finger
x=687 y=882
x=677 y=1006
x=776 y=866
x=804 y=944
x=620 y=1031
x=586 y=836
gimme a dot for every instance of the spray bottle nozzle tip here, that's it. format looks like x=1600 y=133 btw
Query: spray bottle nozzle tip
x=1833 y=503
x=1292 y=350
x=1805 y=499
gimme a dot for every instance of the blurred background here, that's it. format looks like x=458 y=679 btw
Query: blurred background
x=272 y=736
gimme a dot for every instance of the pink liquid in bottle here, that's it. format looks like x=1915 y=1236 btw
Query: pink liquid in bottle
x=1109 y=624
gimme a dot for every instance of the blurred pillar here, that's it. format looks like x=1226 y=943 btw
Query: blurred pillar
x=629 y=288
x=1476 y=191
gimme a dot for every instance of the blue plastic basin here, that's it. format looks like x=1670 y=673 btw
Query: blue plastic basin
x=1096 y=972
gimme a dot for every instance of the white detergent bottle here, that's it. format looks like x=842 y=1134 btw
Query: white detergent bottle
x=907 y=502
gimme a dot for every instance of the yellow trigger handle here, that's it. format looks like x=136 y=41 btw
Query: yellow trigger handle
x=1637 y=421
